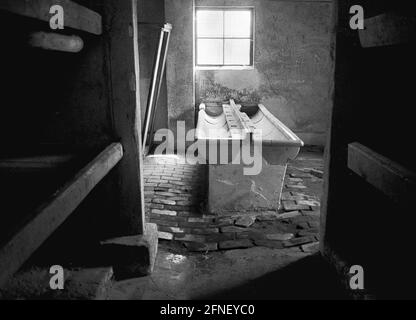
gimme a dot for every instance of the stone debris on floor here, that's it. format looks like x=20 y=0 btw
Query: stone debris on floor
x=175 y=194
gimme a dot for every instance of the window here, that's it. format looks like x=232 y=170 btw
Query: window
x=224 y=37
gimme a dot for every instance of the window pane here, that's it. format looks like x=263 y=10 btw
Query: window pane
x=238 y=24
x=237 y=51
x=210 y=52
x=210 y=23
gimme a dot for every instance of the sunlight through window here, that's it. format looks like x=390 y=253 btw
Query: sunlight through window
x=224 y=37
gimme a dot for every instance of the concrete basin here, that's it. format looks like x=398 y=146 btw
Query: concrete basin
x=278 y=143
x=222 y=136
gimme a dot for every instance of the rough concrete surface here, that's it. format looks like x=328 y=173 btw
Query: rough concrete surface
x=132 y=256
x=255 y=273
x=79 y=284
x=230 y=190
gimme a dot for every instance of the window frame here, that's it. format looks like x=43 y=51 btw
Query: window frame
x=252 y=39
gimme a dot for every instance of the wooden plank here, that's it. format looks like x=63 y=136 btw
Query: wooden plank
x=387 y=29
x=234 y=125
x=53 y=213
x=56 y=42
x=39 y=162
x=75 y=15
x=247 y=121
x=243 y=119
x=125 y=83
x=394 y=180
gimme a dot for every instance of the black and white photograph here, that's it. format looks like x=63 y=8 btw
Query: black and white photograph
x=207 y=155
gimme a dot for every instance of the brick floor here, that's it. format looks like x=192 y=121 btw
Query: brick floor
x=175 y=195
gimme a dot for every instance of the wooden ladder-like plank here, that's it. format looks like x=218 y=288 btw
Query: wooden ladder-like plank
x=234 y=124
x=245 y=121
x=387 y=29
x=52 y=214
x=238 y=122
x=392 y=179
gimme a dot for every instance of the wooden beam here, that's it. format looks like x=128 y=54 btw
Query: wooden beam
x=35 y=163
x=75 y=15
x=244 y=120
x=124 y=80
x=387 y=29
x=52 y=214
x=395 y=181
x=234 y=125
x=56 y=42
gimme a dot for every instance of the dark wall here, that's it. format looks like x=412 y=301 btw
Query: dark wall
x=373 y=106
x=180 y=67
x=45 y=92
x=65 y=103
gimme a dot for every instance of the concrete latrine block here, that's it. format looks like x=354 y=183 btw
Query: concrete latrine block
x=229 y=190
x=132 y=256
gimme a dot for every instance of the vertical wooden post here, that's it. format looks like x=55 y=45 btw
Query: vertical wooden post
x=331 y=147
x=124 y=80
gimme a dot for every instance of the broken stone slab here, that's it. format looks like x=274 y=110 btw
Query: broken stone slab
x=295 y=186
x=200 y=220
x=201 y=247
x=164 y=212
x=292 y=206
x=79 y=284
x=310 y=247
x=313 y=224
x=268 y=216
x=165 y=235
x=132 y=256
x=315 y=213
x=298 y=241
x=220 y=237
x=163 y=201
x=317 y=173
x=306 y=196
x=202 y=231
x=302 y=225
x=191 y=238
x=295 y=179
x=289 y=215
x=308 y=232
x=311 y=203
x=222 y=222
x=293 y=198
x=236 y=244
x=232 y=229
x=304 y=218
x=279 y=236
x=300 y=175
x=171 y=229
x=251 y=234
x=269 y=244
x=245 y=221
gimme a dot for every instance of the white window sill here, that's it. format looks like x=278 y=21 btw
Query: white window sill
x=236 y=68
